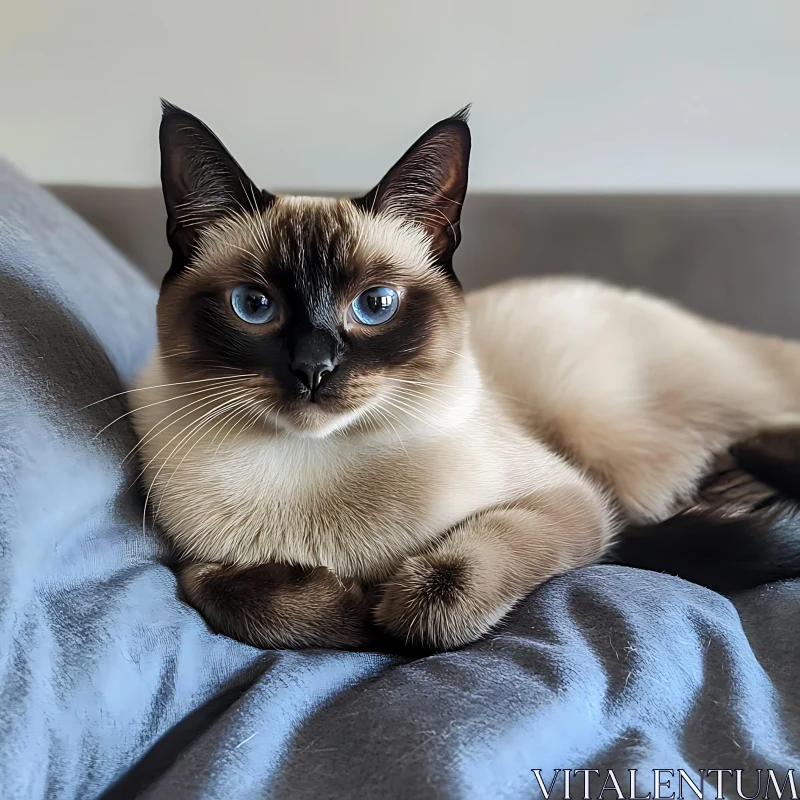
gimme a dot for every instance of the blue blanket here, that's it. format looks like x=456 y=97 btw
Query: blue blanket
x=110 y=686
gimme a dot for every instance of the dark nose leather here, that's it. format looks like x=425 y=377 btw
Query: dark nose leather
x=314 y=358
x=312 y=375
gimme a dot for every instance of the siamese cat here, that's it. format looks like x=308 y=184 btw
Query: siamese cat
x=327 y=411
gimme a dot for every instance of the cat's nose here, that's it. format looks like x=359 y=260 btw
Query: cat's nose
x=313 y=374
x=314 y=358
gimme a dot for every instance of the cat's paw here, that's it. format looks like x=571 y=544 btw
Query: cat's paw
x=276 y=605
x=438 y=602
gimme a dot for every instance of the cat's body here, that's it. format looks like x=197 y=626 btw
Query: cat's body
x=578 y=367
x=457 y=453
x=639 y=392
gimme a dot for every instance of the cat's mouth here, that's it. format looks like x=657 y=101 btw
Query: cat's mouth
x=318 y=417
x=318 y=414
x=313 y=414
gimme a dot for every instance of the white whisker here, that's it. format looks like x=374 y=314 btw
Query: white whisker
x=149 y=405
x=198 y=424
x=414 y=412
x=203 y=401
x=203 y=416
x=178 y=383
x=223 y=412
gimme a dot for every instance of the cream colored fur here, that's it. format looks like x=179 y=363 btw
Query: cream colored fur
x=638 y=391
x=574 y=403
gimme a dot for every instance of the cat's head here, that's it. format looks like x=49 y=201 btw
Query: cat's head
x=328 y=312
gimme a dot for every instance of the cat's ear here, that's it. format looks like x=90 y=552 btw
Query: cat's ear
x=201 y=180
x=428 y=184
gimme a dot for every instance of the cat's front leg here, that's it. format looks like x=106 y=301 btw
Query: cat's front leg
x=277 y=605
x=458 y=590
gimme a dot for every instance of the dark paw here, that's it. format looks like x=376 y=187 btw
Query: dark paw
x=443 y=583
x=277 y=605
x=435 y=605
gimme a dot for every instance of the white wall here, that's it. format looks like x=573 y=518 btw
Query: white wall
x=599 y=95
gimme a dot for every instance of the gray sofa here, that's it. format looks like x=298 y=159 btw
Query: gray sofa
x=111 y=686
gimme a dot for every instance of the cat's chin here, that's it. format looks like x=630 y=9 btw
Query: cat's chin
x=312 y=421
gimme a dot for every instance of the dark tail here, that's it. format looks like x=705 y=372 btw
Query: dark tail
x=735 y=546
x=722 y=554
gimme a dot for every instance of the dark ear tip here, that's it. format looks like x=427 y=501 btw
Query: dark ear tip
x=462 y=115
x=457 y=126
x=175 y=120
x=168 y=108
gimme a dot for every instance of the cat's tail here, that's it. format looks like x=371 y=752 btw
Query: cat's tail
x=729 y=553
x=722 y=554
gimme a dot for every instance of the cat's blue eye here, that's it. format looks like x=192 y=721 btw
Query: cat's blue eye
x=376 y=305
x=252 y=305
